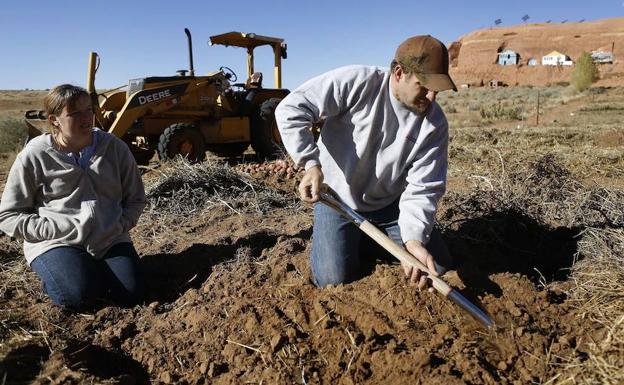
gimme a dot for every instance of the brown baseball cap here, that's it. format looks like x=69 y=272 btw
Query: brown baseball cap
x=428 y=59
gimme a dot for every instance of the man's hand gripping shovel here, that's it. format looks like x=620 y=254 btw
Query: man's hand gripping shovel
x=329 y=198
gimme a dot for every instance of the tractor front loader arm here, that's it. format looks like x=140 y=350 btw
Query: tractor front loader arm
x=151 y=102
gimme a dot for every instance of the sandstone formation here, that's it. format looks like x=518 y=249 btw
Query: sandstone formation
x=474 y=56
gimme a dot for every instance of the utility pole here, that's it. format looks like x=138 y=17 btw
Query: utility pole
x=537 y=116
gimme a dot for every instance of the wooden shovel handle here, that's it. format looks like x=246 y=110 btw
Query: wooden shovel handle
x=403 y=255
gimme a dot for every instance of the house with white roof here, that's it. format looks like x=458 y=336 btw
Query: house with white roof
x=556 y=58
x=508 y=57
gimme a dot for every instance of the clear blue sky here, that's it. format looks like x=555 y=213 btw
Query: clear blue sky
x=45 y=43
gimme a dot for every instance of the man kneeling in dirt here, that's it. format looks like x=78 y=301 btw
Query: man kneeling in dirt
x=382 y=149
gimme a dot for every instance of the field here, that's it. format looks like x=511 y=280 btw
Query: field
x=534 y=214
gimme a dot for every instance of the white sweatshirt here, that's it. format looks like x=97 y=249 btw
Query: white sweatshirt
x=372 y=149
x=50 y=201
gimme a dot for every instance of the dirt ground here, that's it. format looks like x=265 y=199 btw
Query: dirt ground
x=231 y=299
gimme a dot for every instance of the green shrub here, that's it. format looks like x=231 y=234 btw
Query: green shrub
x=499 y=111
x=585 y=72
x=13 y=134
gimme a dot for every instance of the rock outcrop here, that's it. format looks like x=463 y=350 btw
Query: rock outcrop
x=474 y=56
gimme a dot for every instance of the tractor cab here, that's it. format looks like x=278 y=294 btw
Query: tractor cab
x=250 y=41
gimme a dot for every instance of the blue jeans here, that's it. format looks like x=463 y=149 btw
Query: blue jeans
x=73 y=279
x=342 y=253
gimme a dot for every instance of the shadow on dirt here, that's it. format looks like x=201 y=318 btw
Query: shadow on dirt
x=23 y=364
x=170 y=275
x=104 y=364
x=511 y=242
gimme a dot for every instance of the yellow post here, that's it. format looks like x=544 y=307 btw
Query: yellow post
x=277 y=51
x=91 y=72
x=98 y=115
x=250 y=62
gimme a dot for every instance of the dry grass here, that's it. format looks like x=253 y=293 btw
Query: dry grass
x=179 y=191
x=548 y=194
x=476 y=107
x=598 y=292
x=13 y=104
x=183 y=189
x=13 y=135
x=16 y=280
x=551 y=173
x=588 y=143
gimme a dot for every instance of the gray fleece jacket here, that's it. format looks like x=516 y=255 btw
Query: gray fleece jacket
x=372 y=149
x=50 y=201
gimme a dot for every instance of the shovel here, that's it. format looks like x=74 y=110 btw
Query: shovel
x=404 y=256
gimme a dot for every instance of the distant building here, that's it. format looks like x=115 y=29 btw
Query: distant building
x=497 y=83
x=556 y=58
x=532 y=61
x=508 y=57
x=602 y=56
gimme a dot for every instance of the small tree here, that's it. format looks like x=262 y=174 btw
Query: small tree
x=585 y=72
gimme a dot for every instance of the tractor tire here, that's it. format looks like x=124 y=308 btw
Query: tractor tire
x=184 y=140
x=265 y=137
x=228 y=150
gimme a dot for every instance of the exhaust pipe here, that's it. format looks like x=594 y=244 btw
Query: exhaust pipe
x=190 y=48
x=93 y=59
x=94 y=64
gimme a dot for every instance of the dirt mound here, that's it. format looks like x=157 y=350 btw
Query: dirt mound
x=232 y=301
x=474 y=56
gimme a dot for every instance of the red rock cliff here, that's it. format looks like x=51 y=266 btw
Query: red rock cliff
x=474 y=57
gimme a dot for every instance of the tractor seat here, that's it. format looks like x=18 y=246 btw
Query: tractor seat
x=254 y=81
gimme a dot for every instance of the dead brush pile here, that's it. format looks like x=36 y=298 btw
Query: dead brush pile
x=598 y=291
x=180 y=195
x=184 y=189
x=530 y=214
x=546 y=192
x=17 y=282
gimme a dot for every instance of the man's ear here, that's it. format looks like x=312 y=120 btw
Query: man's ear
x=53 y=120
x=398 y=72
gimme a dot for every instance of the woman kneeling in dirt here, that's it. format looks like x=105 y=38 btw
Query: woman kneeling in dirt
x=72 y=195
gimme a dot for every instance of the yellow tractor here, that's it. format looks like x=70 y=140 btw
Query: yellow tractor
x=187 y=114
